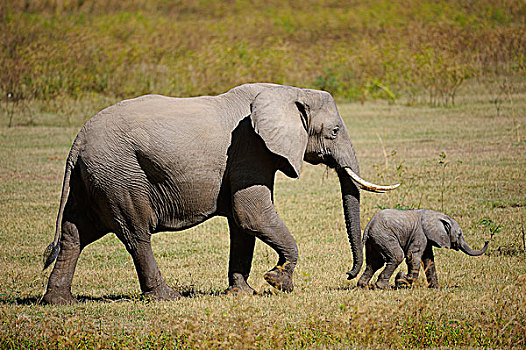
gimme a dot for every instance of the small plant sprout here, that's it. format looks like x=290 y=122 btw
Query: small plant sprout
x=490 y=225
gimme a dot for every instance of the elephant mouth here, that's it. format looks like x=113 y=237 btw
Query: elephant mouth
x=369 y=186
x=319 y=158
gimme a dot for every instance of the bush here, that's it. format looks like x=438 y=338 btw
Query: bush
x=380 y=49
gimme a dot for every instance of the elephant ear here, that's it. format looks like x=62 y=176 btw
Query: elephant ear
x=436 y=228
x=279 y=117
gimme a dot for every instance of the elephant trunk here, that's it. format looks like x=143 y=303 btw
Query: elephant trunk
x=348 y=171
x=351 y=209
x=465 y=248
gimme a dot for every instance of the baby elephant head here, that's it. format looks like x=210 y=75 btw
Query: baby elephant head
x=445 y=232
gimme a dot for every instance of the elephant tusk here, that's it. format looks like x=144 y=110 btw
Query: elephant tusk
x=368 y=186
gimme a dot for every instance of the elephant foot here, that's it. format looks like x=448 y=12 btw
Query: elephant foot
x=363 y=282
x=402 y=280
x=280 y=278
x=237 y=290
x=382 y=284
x=239 y=285
x=433 y=285
x=162 y=292
x=58 y=297
x=363 y=285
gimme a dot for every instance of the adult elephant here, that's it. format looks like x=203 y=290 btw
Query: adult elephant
x=157 y=163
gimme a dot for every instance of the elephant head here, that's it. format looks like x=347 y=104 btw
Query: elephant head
x=302 y=124
x=445 y=232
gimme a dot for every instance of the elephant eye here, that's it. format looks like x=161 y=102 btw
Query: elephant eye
x=334 y=132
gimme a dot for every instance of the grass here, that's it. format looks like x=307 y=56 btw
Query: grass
x=450 y=128
x=420 y=51
x=482 y=302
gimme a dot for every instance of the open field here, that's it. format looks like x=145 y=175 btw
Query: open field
x=482 y=302
x=443 y=92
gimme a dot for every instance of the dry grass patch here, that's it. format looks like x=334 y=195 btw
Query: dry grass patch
x=482 y=302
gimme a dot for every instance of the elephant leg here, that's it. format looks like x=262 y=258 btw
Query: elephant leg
x=280 y=277
x=150 y=279
x=401 y=280
x=132 y=227
x=254 y=212
x=241 y=253
x=428 y=260
x=374 y=262
x=77 y=233
x=413 y=261
x=61 y=278
x=394 y=256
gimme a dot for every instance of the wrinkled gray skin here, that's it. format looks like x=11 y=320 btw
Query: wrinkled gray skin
x=393 y=235
x=157 y=163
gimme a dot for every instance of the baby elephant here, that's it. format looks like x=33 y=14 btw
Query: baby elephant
x=394 y=234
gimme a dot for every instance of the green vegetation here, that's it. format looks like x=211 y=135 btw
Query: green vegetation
x=415 y=51
x=443 y=109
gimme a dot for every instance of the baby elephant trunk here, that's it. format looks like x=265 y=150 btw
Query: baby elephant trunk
x=464 y=247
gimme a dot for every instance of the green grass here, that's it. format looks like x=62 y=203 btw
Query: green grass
x=482 y=302
x=419 y=51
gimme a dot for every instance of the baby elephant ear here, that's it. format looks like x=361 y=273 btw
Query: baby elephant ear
x=436 y=228
x=280 y=117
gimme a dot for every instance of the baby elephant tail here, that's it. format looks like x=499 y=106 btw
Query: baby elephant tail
x=366 y=233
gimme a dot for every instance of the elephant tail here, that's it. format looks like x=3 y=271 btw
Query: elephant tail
x=366 y=233
x=51 y=252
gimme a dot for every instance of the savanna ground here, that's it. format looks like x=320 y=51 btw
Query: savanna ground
x=433 y=94
x=466 y=155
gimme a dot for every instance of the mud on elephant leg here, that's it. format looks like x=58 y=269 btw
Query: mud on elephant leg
x=280 y=277
x=241 y=253
x=401 y=280
x=413 y=261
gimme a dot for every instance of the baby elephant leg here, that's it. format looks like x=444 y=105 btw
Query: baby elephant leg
x=393 y=258
x=374 y=261
x=401 y=280
x=413 y=261
x=428 y=260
